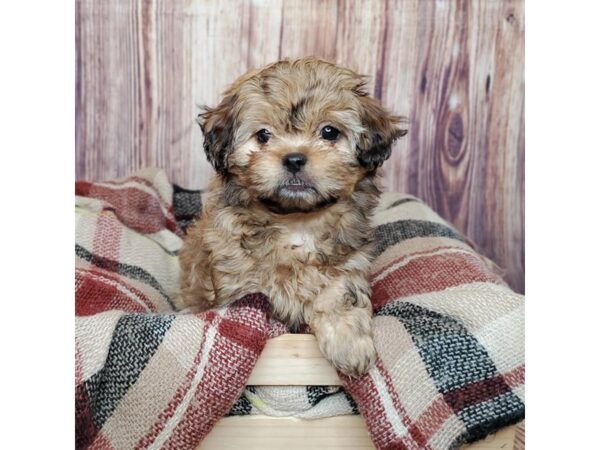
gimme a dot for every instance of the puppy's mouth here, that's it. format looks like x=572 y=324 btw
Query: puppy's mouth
x=296 y=195
x=295 y=186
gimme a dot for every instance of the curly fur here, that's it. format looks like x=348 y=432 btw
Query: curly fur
x=308 y=249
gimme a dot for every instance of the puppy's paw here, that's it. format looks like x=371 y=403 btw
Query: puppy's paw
x=351 y=354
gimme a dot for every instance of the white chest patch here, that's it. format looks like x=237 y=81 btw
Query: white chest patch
x=301 y=240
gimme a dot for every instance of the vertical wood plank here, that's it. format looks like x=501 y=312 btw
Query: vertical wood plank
x=398 y=87
x=504 y=204
x=107 y=103
x=453 y=67
x=309 y=27
x=218 y=58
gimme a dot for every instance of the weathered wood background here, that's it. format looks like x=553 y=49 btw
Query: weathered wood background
x=454 y=68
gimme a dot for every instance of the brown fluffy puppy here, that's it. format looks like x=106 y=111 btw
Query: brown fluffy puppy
x=296 y=146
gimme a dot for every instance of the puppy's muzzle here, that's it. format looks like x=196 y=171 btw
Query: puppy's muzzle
x=294 y=162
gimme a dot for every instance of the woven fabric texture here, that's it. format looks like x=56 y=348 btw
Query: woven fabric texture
x=449 y=335
x=448 y=331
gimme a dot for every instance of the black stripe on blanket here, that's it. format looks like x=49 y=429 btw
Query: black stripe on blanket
x=187 y=205
x=461 y=369
x=241 y=407
x=134 y=341
x=351 y=402
x=317 y=393
x=133 y=272
x=392 y=233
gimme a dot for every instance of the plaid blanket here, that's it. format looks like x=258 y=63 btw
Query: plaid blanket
x=448 y=331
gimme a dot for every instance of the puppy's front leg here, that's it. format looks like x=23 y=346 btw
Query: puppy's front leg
x=341 y=321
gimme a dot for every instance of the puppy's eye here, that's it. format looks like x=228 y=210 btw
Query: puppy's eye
x=263 y=136
x=329 y=133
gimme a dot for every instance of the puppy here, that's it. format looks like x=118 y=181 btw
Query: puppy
x=296 y=147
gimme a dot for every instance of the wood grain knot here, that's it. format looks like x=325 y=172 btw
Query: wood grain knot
x=423 y=85
x=455 y=137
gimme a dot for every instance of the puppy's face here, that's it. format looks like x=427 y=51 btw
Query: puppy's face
x=298 y=135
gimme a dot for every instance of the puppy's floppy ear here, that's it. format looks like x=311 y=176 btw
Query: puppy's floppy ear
x=218 y=126
x=381 y=129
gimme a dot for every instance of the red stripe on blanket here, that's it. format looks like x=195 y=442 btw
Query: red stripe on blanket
x=100 y=443
x=137 y=209
x=222 y=383
x=183 y=389
x=432 y=419
x=97 y=290
x=515 y=377
x=243 y=335
x=166 y=204
x=143 y=181
x=374 y=275
x=477 y=392
x=82 y=188
x=429 y=274
x=94 y=296
x=85 y=429
x=414 y=439
x=229 y=366
x=365 y=394
x=107 y=238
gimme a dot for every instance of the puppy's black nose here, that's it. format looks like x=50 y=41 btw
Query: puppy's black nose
x=294 y=162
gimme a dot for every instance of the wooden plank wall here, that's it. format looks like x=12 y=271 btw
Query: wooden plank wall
x=453 y=67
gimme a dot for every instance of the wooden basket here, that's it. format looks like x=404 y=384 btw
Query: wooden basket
x=295 y=359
